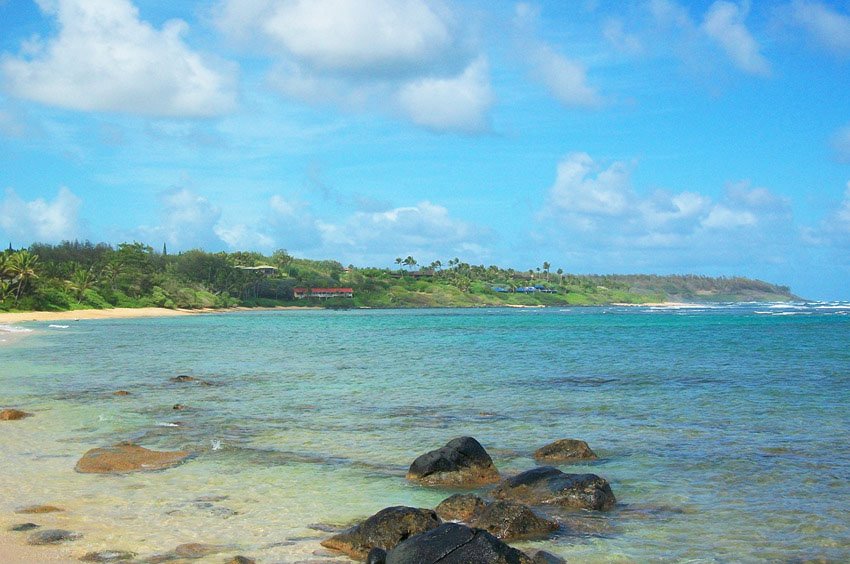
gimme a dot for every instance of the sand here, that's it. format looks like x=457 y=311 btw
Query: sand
x=13 y=548
x=116 y=313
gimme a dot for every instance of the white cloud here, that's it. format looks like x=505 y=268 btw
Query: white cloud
x=615 y=34
x=104 y=58
x=40 y=220
x=359 y=54
x=595 y=209
x=724 y=23
x=187 y=220
x=827 y=26
x=565 y=78
x=423 y=230
x=459 y=103
x=835 y=228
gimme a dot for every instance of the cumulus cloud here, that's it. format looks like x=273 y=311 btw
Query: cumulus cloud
x=41 y=220
x=104 y=58
x=835 y=228
x=724 y=23
x=615 y=34
x=361 y=53
x=595 y=207
x=187 y=220
x=565 y=78
x=426 y=229
x=825 y=25
x=458 y=103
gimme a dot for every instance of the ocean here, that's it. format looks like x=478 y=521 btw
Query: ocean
x=722 y=430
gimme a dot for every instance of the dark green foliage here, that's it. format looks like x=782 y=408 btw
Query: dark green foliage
x=74 y=275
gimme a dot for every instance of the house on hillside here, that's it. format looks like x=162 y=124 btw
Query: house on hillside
x=302 y=293
x=265 y=269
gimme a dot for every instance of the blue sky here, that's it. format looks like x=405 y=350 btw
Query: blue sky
x=655 y=136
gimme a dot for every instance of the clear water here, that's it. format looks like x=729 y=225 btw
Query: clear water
x=723 y=431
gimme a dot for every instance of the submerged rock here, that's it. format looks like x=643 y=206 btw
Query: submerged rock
x=460 y=507
x=121 y=393
x=385 y=529
x=196 y=550
x=127 y=457
x=509 y=520
x=108 y=556
x=13 y=414
x=543 y=557
x=241 y=560
x=38 y=509
x=52 y=536
x=563 y=450
x=21 y=527
x=183 y=378
x=463 y=462
x=452 y=543
x=548 y=485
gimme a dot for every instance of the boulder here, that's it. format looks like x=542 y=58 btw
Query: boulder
x=127 y=457
x=543 y=557
x=377 y=556
x=548 y=485
x=108 y=556
x=452 y=543
x=38 y=509
x=565 y=450
x=460 y=507
x=385 y=529
x=508 y=520
x=13 y=414
x=52 y=536
x=20 y=527
x=463 y=462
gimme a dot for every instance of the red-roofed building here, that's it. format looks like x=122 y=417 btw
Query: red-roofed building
x=301 y=293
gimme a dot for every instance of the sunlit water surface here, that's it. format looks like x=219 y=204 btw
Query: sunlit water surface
x=723 y=431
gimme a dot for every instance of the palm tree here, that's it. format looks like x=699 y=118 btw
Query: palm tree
x=81 y=280
x=409 y=262
x=546 y=267
x=399 y=261
x=560 y=272
x=22 y=266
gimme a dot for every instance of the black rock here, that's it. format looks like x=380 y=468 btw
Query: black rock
x=548 y=485
x=509 y=520
x=563 y=450
x=462 y=462
x=377 y=556
x=452 y=543
x=460 y=507
x=385 y=529
x=543 y=557
x=20 y=527
x=52 y=536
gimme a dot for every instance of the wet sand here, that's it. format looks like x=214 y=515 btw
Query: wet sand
x=13 y=548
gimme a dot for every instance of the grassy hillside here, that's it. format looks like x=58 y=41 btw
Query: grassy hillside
x=74 y=275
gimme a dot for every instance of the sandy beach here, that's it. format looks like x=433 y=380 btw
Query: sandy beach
x=115 y=313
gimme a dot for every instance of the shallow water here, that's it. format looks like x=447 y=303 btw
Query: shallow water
x=722 y=430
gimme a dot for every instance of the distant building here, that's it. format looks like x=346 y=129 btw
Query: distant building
x=301 y=293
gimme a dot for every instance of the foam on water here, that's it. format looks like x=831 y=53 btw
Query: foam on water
x=14 y=329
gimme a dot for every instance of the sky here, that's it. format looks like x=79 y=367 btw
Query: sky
x=645 y=136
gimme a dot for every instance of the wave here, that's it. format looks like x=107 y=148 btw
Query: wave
x=14 y=329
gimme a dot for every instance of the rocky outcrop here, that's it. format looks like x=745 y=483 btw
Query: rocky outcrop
x=565 y=450
x=452 y=543
x=52 y=536
x=127 y=457
x=463 y=462
x=460 y=507
x=385 y=530
x=508 y=520
x=548 y=485
x=13 y=414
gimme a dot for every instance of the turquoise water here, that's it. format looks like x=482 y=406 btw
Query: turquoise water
x=723 y=431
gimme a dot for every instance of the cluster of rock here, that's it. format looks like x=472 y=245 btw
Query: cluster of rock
x=466 y=528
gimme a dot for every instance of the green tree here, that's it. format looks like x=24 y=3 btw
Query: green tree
x=410 y=262
x=22 y=266
x=81 y=280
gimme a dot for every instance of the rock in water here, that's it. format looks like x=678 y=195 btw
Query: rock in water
x=548 y=485
x=108 y=556
x=13 y=414
x=23 y=527
x=384 y=529
x=127 y=457
x=563 y=450
x=241 y=560
x=463 y=462
x=543 y=557
x=508 y=520
x=36 y=509
x=52 y=536
x=455 y=544
x=460 y=507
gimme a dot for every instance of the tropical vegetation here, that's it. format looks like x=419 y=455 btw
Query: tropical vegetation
x=81 y=275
